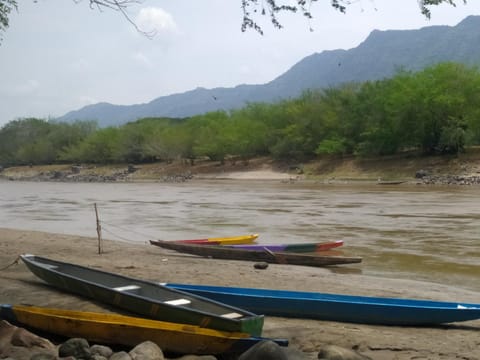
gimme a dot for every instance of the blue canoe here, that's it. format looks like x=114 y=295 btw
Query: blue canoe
x=343 y=308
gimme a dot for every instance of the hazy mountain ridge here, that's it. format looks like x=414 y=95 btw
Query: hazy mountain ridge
x=379 y=56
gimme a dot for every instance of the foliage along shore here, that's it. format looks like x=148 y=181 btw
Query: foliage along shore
x=431 y=112
x=461 y=169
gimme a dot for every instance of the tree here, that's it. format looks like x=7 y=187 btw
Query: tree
x=120 y=6
x=213 y=137
x=251 y=9
x=6 y=7
x=18 y=139
x=271 y=8
x=99 y=147
x=447 y=99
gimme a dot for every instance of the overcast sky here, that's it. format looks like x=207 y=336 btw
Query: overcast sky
x=59 y=56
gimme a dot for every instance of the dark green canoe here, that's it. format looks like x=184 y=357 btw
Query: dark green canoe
x=145 y=298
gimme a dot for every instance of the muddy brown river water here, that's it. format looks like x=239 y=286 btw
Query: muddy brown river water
x=402 y=231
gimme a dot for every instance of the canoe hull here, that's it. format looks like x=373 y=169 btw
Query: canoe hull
x=122 y=330
x=221 y=252
x=343 y=308
x=144 y=298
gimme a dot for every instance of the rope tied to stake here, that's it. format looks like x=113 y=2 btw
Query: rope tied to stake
x=15 y=262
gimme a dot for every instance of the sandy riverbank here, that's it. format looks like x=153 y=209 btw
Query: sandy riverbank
x=462 y=169
x=457 y=341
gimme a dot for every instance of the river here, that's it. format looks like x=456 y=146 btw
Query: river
x=401 y=231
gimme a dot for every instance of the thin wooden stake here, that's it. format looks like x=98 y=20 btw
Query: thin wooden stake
x=99 y=231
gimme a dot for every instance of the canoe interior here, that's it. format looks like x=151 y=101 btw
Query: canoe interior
x=242 y=239
x=299 y=248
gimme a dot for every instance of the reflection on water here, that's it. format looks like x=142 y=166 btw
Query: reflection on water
x=426 y=233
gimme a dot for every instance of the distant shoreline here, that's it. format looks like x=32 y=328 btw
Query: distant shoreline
x=463 y=169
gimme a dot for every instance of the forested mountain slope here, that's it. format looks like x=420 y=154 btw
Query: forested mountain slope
x=379 y=56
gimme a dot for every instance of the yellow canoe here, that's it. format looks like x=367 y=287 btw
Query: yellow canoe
x=233 y=240
x=115 y=329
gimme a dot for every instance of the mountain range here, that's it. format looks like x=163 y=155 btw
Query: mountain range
x=378 y=57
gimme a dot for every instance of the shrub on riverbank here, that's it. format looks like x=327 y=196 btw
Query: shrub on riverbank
x=434 y=111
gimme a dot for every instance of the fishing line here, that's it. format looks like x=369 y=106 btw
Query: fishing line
x=127 y=230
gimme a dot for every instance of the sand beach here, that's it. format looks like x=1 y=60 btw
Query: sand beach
x=453 y=341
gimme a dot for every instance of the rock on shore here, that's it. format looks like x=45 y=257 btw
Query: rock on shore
x=18 y=343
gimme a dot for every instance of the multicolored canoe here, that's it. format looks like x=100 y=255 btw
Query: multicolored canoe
x=296 y=248
x=228 y=253
x=242 y=239
x=115 y=329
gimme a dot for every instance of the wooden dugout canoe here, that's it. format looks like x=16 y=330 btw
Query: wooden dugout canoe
x=296 y=248
x=242 y=239
x=333 y=307
x=144 y=298
x=221 y=252
x=390 y=182
x=115 y=329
